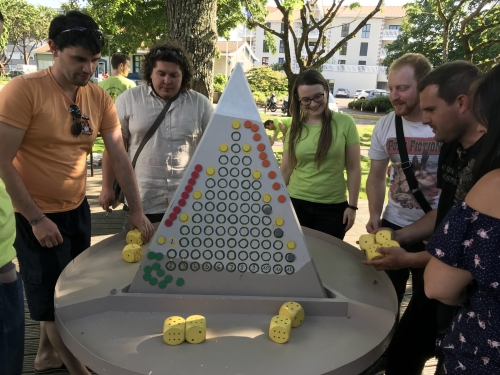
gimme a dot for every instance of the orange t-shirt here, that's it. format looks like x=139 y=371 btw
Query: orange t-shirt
x=51 y=161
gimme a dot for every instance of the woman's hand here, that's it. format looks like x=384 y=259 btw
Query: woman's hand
x=349 y=218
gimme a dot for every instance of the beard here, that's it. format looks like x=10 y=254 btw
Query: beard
x=79 y=80
x=402 y=108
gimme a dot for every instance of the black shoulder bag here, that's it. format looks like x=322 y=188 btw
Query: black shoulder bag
x=119 y=198
x=408 y=169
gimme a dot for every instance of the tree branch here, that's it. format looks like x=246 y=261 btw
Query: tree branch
x=471 y=16
x=489 y=42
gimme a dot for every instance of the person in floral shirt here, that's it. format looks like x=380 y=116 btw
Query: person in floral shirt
x=465 y=268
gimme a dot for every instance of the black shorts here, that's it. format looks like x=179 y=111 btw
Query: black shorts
x=41 y=266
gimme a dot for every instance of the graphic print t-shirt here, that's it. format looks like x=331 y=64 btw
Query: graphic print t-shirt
x=116 y=85
x=423 y=153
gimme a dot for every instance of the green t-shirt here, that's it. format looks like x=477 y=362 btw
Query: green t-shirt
x=286 y=121
x=7 y=227
x=116 y=85
x=326 y=185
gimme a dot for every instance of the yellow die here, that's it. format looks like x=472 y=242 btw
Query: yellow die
x=279 y=329
x=294 y=311
x=391 y=243
x=134 y=237
x=132 y=253
x=196 y=329
x=372 y=253
x=366 y=240
x=174 y=330
x=384 y=236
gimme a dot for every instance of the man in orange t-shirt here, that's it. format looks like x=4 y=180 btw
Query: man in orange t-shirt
x=48 y=123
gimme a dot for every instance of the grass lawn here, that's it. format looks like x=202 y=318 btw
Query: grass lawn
x=4 y=81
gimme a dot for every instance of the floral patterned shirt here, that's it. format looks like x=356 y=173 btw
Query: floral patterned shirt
x=470 y=240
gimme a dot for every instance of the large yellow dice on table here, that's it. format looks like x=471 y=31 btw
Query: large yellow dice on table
x=366 y=240
x=132 y=253
x=372 y=253
x=196 y=329
x=383 y=236
x=279 y=329
x=294 y=311
x=174 y=329
x=134 y=237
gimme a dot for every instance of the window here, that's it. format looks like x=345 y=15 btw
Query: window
x=365 y=31
x=268 y=24
x=394 y=27
x=345 y=29
x=341 y=62
x=312 y=44
x=265 y=48
x=282 y=27
x=343 y=50
x=137 y=61
x=282 y=47
x=281 y=60
x=265 y=61
x=361 y=62
x=363 y=50
x=361 y=67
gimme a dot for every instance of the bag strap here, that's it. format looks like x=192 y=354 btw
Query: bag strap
x=153 y=128
x=408 y=168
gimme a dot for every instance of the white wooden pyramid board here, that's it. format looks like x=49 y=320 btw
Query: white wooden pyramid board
x=230 y=228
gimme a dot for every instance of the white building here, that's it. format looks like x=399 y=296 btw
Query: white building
x=358 y=64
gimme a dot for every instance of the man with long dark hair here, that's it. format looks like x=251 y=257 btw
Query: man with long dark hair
x=162 y=162
x=48 y=123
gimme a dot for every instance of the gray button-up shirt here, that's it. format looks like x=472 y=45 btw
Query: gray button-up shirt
x=163 y=160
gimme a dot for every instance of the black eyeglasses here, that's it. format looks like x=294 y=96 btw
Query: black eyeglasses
x=76 y=127
x=318 y=98
x=173 y=51
x=97 y=33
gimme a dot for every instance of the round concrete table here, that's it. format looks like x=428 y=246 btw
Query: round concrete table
x=116 y=332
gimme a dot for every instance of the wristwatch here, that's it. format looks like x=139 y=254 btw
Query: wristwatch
x=352 y=207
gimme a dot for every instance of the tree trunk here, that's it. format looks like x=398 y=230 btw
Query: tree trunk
x=193 y=24
x=446 y=42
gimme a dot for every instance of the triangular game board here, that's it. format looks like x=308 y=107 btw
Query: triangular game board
x=231 y=228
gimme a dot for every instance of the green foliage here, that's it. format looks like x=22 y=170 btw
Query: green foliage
x=264 y=79
x=220 y=81
x=136 y=24
x=423 y=31
x=276 y=67
x=382 y=103
x=26 y=27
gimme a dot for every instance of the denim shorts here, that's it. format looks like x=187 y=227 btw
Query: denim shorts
x=41 y=266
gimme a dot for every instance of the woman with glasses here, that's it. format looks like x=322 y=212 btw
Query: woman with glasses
x=162 y=162
x=320 y=145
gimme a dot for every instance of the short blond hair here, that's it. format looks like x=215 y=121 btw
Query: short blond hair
x=420 y=64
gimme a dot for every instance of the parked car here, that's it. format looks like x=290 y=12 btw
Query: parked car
x=377 y=93
x=356 y=94
x=331 y=103
x=364 y=94
x=342 y=92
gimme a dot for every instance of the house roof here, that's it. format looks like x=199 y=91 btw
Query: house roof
x=229 y=47
x=344 y=11
x=43 y=49
x=233 y=47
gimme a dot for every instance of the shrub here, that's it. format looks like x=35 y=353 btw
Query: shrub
x=220 y=81
x=264 y=79
x=259 y=97
x=382 y=103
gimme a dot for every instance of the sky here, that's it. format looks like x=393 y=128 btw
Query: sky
x=57 y=3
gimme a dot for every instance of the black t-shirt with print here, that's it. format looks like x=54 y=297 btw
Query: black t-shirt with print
x=454 y=176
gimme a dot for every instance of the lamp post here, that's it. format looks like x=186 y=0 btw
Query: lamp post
x=108 y=38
